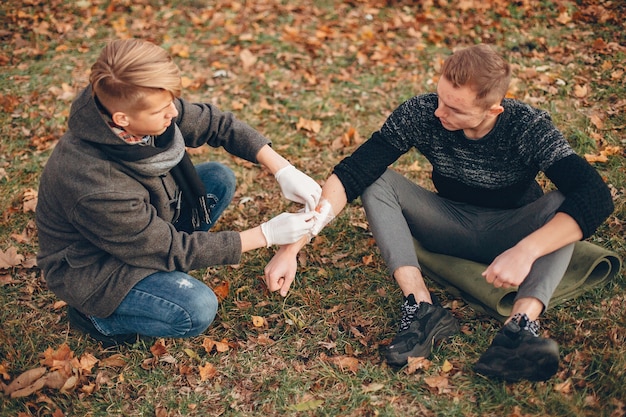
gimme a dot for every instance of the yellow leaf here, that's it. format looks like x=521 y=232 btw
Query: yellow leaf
x=258 y=321
x=447 y=366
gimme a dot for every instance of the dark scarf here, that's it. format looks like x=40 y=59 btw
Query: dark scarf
x=191 y=188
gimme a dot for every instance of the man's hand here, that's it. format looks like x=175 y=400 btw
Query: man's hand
x=281 y=270
x=288 y=228
x=298 y=187
x=510 y=268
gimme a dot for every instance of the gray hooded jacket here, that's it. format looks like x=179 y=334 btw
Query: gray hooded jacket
x=103 y=226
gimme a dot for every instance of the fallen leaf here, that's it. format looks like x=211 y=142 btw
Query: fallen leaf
x=247 y=59
x=415 y=364
x=158 y=349
x=10 y=258
x=345 y=363
x=209 y=344
x=438 y=381
x=307 y=405
x=207 y=371
x=311 y=125
x=25 y=379
x=258 y=321
x=373 y=387
x=221 y=290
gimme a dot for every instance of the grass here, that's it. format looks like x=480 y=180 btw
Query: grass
x=346 y=64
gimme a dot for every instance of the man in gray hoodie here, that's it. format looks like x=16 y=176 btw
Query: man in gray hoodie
x=123 y=214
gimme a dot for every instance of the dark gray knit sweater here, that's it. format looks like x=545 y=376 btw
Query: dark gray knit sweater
x=498 y=170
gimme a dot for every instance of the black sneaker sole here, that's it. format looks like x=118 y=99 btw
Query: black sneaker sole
x=536 y=362
x=447 y=326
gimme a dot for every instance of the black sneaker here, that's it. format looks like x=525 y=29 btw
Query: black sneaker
x=81 y=322
x=420 y=327
x=518 y=352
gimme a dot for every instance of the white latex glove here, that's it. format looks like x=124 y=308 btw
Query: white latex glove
x=324 y=216
x=287 y=228
x=298 y=187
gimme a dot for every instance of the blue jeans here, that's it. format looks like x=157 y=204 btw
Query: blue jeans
x=399 y=211
x=174 y=304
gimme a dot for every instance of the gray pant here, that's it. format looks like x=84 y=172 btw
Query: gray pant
x=399 y=210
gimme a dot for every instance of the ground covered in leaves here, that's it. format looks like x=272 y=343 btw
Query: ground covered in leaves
x=317 y=78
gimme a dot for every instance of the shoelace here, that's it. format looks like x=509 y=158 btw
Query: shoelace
x=527 y=324
x=409 y=313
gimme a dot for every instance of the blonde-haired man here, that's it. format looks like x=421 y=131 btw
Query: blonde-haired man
x=485 y=151
x=123 y=214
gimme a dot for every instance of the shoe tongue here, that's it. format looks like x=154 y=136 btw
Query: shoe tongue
x=410 y=300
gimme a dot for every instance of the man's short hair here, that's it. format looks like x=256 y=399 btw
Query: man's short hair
x=482 y=69
x=129 y=69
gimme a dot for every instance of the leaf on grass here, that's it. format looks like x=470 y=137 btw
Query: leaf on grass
x=158 y=349
x=53 y=358
x=373 y=387
x=10 y=258
x=247 y=59
x=345 y=363
x=221 y=290
x=604 y=154
x=307 y=405
x=192 y=354
x=258 y=321
x=113 y=361
x=25 y=379
x=439 y=382
x=207 y=371
x=311 y=125
x=415 y=364
x=87 y=362
x=447 y=366
x=209 y=344
x=29 y=200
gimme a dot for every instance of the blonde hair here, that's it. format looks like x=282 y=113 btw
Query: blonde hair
x=482 y=69
x=129 y=69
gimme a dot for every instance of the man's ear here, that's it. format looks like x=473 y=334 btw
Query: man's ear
x=120 y=119
x=495 y=110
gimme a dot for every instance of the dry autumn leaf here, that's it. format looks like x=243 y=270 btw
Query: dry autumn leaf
x=221 y=290
x=310 y=125
x=10 y=258
x=207 y=371
x=209 y=344
x=258 y=321
x=438 y=381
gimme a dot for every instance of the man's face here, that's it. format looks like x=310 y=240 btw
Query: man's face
x=157 y=115
x=457 y=108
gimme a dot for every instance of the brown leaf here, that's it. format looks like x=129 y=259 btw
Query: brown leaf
x=438 y=381
x=415 y=364
x=247 y=59
x=345 y=363
x=87 y=362
x=221 y=290
x=207 y=371
x=209 y=344
x=25 y=379
x=158 y=349
x=113 y=361
x=30 y=389
x=311 y=125
x=10 y=258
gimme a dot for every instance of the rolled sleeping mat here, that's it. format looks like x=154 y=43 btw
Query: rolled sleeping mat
x=591 y=267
